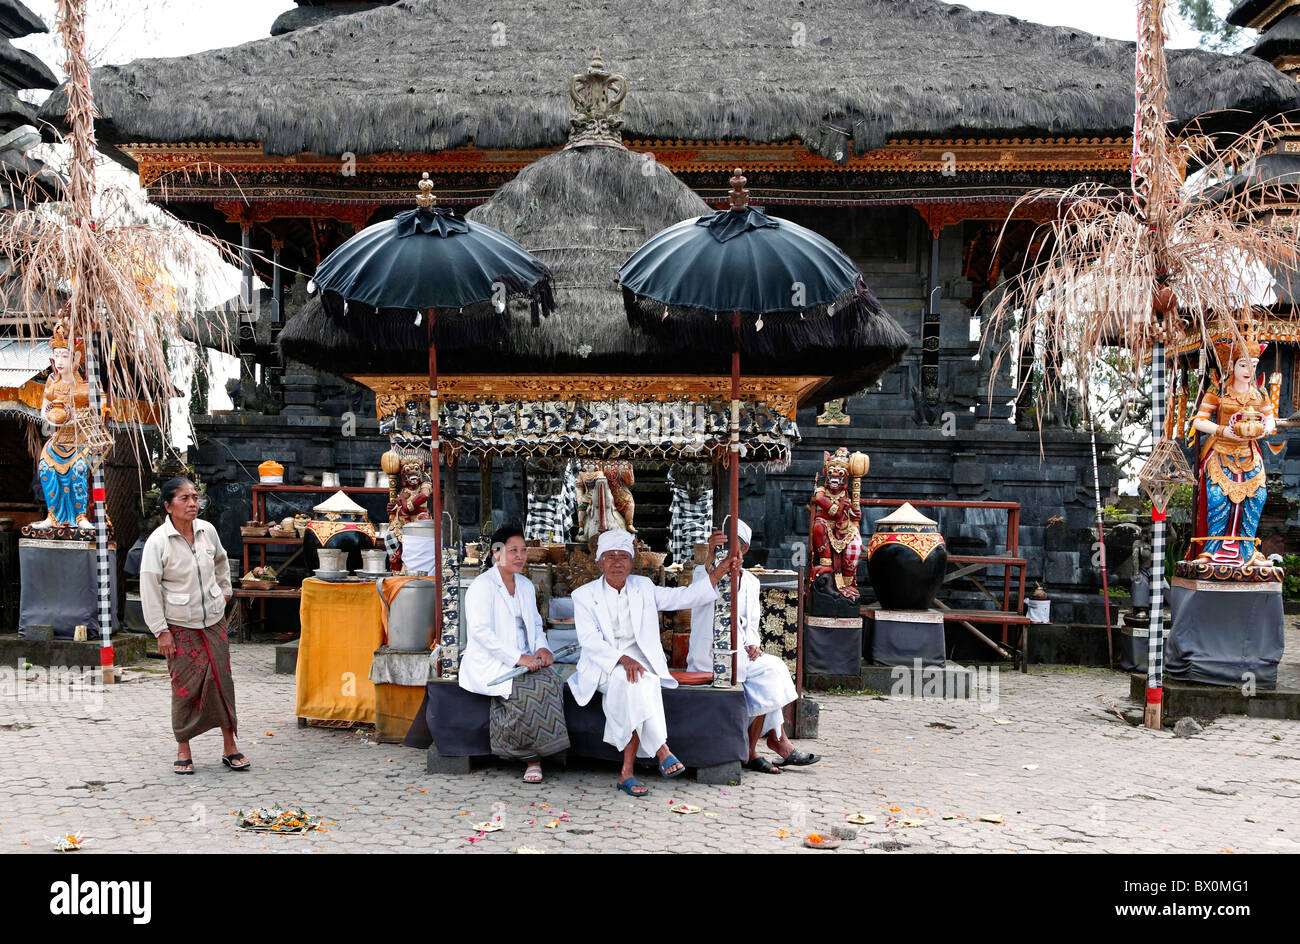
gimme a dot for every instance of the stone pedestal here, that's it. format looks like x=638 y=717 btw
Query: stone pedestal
x=901 y=637
x=1225 y=633
x=1134 y=641
x=60 y=586
x=832 y=645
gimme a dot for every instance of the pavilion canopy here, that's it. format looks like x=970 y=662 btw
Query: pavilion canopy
x=427 y=75
x=583 y=211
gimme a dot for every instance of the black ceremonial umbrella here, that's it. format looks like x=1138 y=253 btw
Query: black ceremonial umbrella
x=777 y=285
x=391 y=283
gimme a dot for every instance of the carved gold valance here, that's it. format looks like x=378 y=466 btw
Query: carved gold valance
x=783 y=394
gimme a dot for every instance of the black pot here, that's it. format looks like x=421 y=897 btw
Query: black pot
x=906 y=558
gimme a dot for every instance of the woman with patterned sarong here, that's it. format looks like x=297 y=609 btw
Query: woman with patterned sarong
x=184 y=589
x=504 y=630
x=1231 y=486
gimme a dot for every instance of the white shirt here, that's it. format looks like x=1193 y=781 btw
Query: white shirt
x=521 y=631
x=620 y=605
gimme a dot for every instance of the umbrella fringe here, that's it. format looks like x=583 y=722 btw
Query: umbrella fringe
x=398 y=328
x=780 y=333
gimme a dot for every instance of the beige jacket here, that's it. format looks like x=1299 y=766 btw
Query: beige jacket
x=180 y=585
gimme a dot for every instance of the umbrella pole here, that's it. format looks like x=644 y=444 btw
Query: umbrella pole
x=435 y=480
x=734 y=496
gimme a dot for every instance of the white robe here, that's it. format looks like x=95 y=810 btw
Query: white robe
x=628 y=707
x=492 y=635
x=768 y=685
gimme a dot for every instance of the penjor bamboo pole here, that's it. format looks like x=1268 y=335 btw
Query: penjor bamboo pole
x=81 y=187
x=1153 y=715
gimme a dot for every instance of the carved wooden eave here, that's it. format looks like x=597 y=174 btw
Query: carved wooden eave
x=209 y=171
x=784 y=394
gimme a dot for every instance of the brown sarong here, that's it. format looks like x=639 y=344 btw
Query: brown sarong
x=530 y=723
x=203 y=691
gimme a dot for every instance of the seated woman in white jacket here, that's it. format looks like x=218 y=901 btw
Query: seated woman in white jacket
x=504 y=630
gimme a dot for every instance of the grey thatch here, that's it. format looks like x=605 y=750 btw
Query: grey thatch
x=1282 y=39
x=422 y=76
x=16 y=20
x=1244 y=12
x=310 y=14
x=20 y=69
x=583 y=212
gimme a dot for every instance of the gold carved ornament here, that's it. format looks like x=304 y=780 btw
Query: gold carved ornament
x=1236 y=492
x=922 y=544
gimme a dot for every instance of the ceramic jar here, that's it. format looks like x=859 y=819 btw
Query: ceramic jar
x=906 y=558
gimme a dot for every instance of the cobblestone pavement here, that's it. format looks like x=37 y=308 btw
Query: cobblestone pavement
x=1063 y=772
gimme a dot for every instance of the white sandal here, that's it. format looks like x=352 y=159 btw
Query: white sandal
x=529 y=770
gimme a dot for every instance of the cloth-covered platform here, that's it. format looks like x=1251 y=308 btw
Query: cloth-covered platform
x=706 y=728
x=1225 y=633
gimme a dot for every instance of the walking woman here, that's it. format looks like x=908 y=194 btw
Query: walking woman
x=184 y=589
x=504 y=630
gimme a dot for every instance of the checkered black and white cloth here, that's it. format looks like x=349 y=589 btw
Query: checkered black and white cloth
x=690 y=520
x=1156 y=639
x=552 y=503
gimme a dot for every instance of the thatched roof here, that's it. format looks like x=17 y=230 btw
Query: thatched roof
x=1244 y=12
x=1279 y=40
x=583 y=212
x=424 y=75
x=16 y=20
x=20 y=69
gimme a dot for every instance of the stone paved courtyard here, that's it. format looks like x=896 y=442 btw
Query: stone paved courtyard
x=1050 y=758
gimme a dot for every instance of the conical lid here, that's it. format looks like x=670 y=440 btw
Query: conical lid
x=339 y=502
x=906 y=514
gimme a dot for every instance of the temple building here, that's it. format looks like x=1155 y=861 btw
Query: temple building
x=903 y=131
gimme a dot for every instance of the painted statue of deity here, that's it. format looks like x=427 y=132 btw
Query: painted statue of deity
x=63 y=467
x=411 y=500
x=1231 y=488
x=608 y=490
x=836 y=535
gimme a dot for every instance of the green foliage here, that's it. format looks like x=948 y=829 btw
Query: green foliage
x=1291 y=576
x=1216 y=33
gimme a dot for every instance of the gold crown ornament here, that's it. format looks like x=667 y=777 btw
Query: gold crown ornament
x=1230 y=349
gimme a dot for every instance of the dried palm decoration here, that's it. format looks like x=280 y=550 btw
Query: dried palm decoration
x=84 y=256
x=1131 y=269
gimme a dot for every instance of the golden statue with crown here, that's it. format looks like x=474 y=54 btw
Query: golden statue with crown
x=1233 y=415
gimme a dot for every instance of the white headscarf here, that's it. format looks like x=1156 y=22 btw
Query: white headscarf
x=615 y=539
x=743 y=532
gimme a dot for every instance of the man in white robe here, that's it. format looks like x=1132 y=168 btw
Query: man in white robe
x=617 y=619
x=766 y=679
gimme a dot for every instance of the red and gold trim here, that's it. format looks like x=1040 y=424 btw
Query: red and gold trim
x=923 y=544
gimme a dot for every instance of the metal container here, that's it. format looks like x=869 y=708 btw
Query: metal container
x=332 y=560
x=374 y=561
x=411 y=616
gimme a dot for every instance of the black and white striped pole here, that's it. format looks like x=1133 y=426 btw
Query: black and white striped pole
x=1155 y=639
x=103 y=569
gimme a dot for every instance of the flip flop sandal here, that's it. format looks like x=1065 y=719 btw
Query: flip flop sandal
x=798 y=758
x=762 y=765
x=668 y=762
x=627 y=785
x=529 y=769
x=183 y=766
x=230 y=760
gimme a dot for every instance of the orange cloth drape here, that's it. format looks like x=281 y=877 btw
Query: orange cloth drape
x=341 y=629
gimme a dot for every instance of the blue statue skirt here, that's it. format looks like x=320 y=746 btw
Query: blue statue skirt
x=1233 y=503
x=65 y=480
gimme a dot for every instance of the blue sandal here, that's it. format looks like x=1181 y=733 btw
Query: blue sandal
x=627 y=785
x=668 y=762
